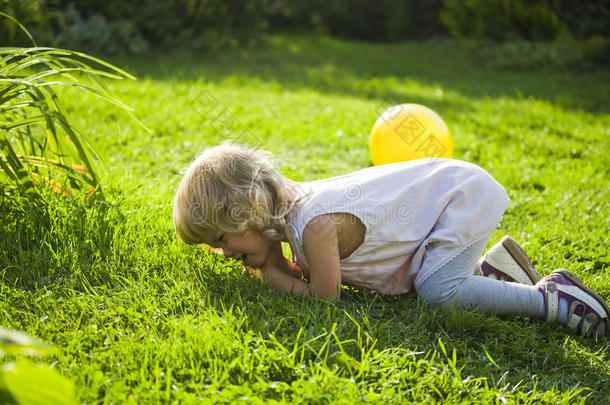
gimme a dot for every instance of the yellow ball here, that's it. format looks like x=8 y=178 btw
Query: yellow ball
x=407 y=132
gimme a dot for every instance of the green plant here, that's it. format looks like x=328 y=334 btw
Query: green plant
x=527 y=55
x=118 y=27
x=502 y=19
x=32 y=13
x=98 y=35
x=37 y=141
x=384 y=20
x=25 y=382
x=586 y=19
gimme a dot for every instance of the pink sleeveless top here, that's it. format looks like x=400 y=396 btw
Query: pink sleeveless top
x=405 y=207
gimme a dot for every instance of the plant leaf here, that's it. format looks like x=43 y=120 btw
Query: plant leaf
x=33 y=384
x=19 y=343
x=20 y=26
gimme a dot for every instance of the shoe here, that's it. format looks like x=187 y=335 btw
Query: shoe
x=506 y=261
x=588 y=313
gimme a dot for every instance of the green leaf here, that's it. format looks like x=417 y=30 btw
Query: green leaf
x=19 y=343
x=13 y=160
x=33 y=384
x=33 y=119
x=20 y=26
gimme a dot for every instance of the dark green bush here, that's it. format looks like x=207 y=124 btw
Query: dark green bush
x=31 y=13
x=586 y=19
x=111 y=26
x=114 y=26
x=596 y=50
x=382 y=20
x=527 y=55
x=502 y=19
x=98 y=35
x=531 y=55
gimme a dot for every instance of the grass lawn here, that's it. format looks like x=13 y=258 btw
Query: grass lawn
x=140 y=317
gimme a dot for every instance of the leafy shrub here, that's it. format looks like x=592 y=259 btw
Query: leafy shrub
x=32 y=13
x=111 y=26
x=530 y=55
x=597 y=50
x=585 y=19
x=98 y=35
x=383 y=20
x=502 y=19
x=118 y=26
x=526 y=55
x=25 y=382
x=37 y=141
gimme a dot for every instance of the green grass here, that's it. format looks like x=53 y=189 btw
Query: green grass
x=140 y=318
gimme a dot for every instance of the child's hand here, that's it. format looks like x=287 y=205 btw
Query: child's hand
x=274 y=272
x=277 y=259
x=293 y=267
x=253 y=271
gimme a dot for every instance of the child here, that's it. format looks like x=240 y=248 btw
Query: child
x=422 y=223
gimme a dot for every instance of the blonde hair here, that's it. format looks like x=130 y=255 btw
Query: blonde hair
x=233 y=188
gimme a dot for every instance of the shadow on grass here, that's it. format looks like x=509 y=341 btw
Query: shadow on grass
x=44 y=243
x=48 y=240
x=387 y=73
x=513 y=352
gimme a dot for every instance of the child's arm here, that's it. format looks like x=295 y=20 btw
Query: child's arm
x=275 y=258
x=279 y=275
x=283 y=281
x=290 y=268
x=321 y=248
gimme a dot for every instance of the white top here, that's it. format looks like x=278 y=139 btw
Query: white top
x=405 y=207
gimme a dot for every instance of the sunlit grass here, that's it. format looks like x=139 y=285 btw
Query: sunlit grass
x=139 y=317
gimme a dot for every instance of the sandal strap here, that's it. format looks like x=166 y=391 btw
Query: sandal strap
x=582 y=296
x=573 y=319
x=552 y=302
x=587 y=322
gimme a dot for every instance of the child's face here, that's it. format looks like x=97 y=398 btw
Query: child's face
x=249 y=247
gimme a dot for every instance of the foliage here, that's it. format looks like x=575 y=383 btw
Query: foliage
x=385 y=20
x=531 y=55
x=597 y=50
x=37 y=140
x=527 y=55
x=115 y=27
x=109 y=27
x=502 y=19
x=585 y=19
x=539 y=20
x=26 y=383
x=31 y=13
x=98 y=35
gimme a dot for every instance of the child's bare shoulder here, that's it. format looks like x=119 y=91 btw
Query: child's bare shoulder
x=321 y=227
x=342 y=228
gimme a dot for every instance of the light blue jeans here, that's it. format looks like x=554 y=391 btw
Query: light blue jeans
x=454 y=284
